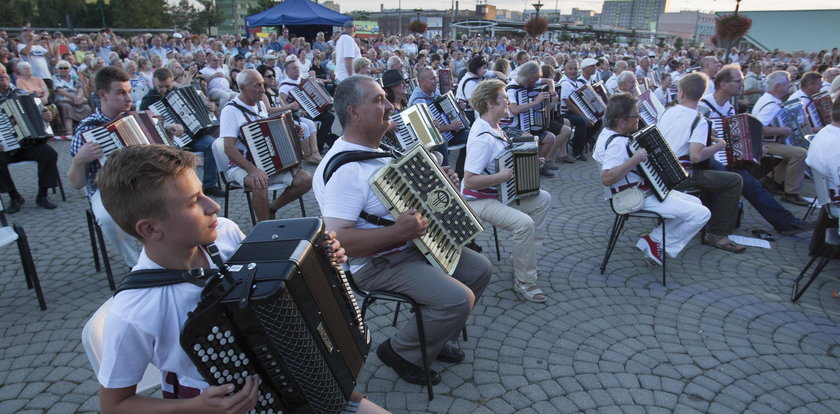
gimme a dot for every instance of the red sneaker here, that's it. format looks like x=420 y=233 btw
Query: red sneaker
x=653 y=250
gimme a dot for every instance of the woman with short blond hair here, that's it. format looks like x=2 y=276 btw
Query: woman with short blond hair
x=526 y=218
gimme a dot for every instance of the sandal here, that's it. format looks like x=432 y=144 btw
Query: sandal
x=715 y=241
x=530 y=292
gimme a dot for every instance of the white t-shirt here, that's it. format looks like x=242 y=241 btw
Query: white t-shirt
x=144 y=325
x=613 y=156
x=803 y=98
x=483 y=145
x=345 y=47
x=466 y=86
x=612 y=85
x=766 y=108
x=663 y=95
x=675 y=125
x=567 y=86
x=348 y=193
x=287 y=85
x=220 y=82
x=232 y=118
x=37 y=57
x=824 y=153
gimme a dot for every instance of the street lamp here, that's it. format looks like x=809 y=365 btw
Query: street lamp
x=418 y=11
x=538 y=6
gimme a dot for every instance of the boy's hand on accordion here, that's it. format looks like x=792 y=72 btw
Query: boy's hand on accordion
x=89 y=152
x=505 y=173
x=334 y=249
x=411 y=225
x=217 y=400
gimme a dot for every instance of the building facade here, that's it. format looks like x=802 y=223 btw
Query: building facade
x=235 y=12
x=633 y=14
x=693 y=26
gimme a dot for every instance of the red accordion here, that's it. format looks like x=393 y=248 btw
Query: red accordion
x=743 y=136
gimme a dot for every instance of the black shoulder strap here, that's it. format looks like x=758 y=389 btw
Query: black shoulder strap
x=245 y=111
x=345 y=157
x=712 y=107
x=149 y=278
x=611 y=138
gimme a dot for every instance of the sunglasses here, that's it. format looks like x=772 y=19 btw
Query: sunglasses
x=269 y=76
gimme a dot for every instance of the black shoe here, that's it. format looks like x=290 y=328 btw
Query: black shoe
x=409 y=372
x=14 y=205
x=771 y=186
x=472 y=245
x=545 y=172
x=798 y=226
x=796 y=199
x=214 y=191
x=581 y=157
x=45 y=203
x=451 y=354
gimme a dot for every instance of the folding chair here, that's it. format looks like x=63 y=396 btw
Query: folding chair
x=96 y=237
x=832 y=238
x=618 y=224
x=222 y=164
x=371 y=296
x=92 y=335
x=15 y=233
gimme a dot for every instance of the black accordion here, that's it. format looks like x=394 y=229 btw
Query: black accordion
x=415 y=125
x=445 y=110
x=535 y=119
x=273 y=143
x=186 y=107
x=792 y=115
x=444 y=81
x=21 y=122
x=133 y=128
x=662 y=169
x=312 y=97
x=284 y=312
x=524 y=160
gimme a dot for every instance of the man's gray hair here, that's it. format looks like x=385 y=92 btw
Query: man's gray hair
x=526 y=71
x=394 y=60
x=626 y=76
x=246 y=77
x=349 y=92
x=776 y=78
x=348 y=25
x=22 y=64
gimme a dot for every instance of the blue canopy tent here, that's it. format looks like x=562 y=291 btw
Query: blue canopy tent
x=297 y=13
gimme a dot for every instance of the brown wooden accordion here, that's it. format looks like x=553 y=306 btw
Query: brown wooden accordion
x=133 y=128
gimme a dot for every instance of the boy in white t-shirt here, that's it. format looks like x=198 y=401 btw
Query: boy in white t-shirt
x=153 y=193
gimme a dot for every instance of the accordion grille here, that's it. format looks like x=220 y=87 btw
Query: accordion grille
x=287 y=331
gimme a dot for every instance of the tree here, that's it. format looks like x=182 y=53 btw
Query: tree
x=140 y=14
x=678 y=43
x=208 y=17
x=182 y=14
x=261 y=6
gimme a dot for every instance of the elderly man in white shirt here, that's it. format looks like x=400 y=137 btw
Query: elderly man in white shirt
x=218 y=84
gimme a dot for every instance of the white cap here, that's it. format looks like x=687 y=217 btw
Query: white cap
x=587 y=63
x=177 y=35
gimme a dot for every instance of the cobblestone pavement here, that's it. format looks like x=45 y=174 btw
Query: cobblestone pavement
x=721 y=337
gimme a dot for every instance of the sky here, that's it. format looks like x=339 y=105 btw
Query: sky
x=567 y=5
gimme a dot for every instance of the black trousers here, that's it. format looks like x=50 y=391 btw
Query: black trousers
x=581 y=137
x=326 y=119
x=43 y=154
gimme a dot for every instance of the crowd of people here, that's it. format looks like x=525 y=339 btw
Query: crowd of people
x=499 y=83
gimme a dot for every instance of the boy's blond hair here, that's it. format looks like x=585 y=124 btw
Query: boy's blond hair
x=132 y=182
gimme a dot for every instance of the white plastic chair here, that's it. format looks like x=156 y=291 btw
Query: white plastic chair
x=92 y=335
x=15 y=233
x=222 y=164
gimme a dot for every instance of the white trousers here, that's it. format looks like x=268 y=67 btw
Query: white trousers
x=126 y=244
x=691 y=215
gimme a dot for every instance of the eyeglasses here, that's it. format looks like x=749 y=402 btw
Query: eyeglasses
x=269 y=76
x=63 y=68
